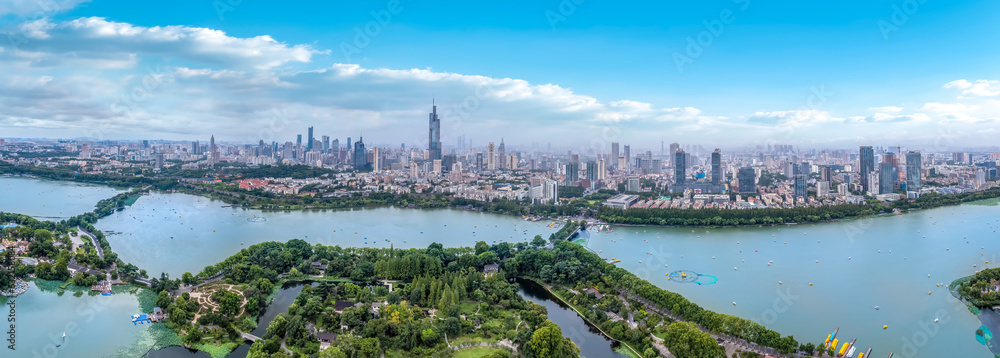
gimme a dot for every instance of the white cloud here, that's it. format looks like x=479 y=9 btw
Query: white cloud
x=949 y=107
x=981 y=88
x=887 y=109
x=177 y=82
x=796 y=118
x=94 y=38
x=37 y=8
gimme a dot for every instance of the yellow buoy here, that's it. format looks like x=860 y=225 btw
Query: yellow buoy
x=885 y=326
x=928 y=292
x=810 y=284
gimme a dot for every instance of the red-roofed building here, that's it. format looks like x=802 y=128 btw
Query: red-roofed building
x=251 y=184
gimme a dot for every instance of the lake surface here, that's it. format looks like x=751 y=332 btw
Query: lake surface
x=850 y=279
x=590 y=341
x=95 y=326
x=177 y=233
x=50 y=200
x=893 y=262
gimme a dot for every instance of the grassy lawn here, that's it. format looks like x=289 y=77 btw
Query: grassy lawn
x=475 y=352
x=468 y=308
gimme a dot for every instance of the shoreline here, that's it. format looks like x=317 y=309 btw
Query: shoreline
x=206 y=193
x=991 y=325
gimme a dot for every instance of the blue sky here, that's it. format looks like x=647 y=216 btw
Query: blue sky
x=888 y=71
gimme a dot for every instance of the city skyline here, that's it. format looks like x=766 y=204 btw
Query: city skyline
x=94 y=69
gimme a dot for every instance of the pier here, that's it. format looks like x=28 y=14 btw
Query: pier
x=19 y=288
x=104 y=287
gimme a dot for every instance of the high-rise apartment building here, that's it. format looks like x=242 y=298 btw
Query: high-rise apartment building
x=491 y=157
x=800 y=186
x=680 y=167
x=717 y=167
x=747 y=178
x=886 y=174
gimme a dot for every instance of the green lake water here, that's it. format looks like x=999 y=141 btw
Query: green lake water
x=50 y=200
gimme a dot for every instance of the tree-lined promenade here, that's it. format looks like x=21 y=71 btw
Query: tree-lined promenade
x=768 y=216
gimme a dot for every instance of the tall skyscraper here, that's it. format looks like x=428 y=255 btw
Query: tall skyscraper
x=593 y=173
x=326 y=144
x=211 y=144
x=434 y=133
x=572 y=172
x=913 y=169
x=886 y=175
x=614 y=153
x=376 y=159
x=680 y=168
x=628 y=157
x=673 y=149
x=717 y=166
x=491 y=157
x=309 y=145
x=748 y=180
x=893 y=158
x=866 y=158
x=503 y=155
x=360 y=156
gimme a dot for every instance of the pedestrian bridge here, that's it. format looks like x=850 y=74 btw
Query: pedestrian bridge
x=250 y=337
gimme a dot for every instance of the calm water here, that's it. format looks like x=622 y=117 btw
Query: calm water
x=177 y=233
x=943 y=243
x=591 y=342
x=50 y=200
x=849 y=280
x=95 y=326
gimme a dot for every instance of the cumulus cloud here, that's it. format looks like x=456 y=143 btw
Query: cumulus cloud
x=44 y=43
x=108 y=79
x=887 y=109
x=37 y=8
x=949 y=107
x=981 y=88
x=797 y=118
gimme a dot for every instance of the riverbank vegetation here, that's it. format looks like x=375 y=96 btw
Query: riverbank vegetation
x=441 y=298
x=768 y=216
x=609 y=296
x=981 y=289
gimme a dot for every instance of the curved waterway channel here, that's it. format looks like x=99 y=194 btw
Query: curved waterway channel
x=591 y=342
x=803 y=280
